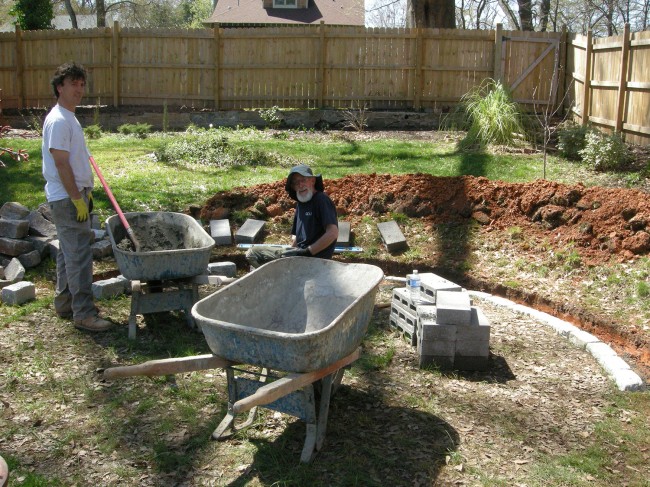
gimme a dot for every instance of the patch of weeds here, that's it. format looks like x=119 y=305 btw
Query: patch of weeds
x=93 y=132
x=643 y=289
x=272 y=116
x=512 y=284
x=515 y=233
x=240 y=216
x=139 y=130
x=371 y=361
x=400 y=218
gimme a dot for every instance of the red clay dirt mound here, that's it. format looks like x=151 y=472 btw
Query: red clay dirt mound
x=602 y=222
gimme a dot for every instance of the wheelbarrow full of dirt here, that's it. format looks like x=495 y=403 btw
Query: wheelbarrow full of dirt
x=173 y=249
x=300 y=321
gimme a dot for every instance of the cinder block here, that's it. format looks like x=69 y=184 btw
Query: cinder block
x=453 y=308
x=14 y=247
x=430 y=331
x=18 y=293
x=109 y=288
x=249 y=231
x=102 y=249
x=30 y=259
x=431 y=283
x=392 y=236
x=403 y=295
x=438 y=348
x=14 y=211
x=220 y=232
x=13 y=228
x=344 y=234
x=472 y=348
x=228 y=269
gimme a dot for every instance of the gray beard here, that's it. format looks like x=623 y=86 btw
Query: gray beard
x=305 y=199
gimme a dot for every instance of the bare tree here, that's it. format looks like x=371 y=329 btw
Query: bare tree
x=386 y=13
x=71 y=13
x=431 y=13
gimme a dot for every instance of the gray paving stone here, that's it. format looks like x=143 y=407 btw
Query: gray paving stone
x=41 y=244
x=30 y=259
x=344 y=234
x=13 y=228
x=228 y=269
x=14 y=271
x=249 y=231
x=392 y=236
x=18 y=293
x=14 y=247
x=453 y=308
x=54 y=249
x=99 y=234
x=220 y=232
x=45 y=210
x=627 y=380
x=102 y=249
x=110 y=288
x=581 y=338
x=39 y=226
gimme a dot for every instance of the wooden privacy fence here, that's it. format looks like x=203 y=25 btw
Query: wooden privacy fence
x=289 y=67
x=611 y=87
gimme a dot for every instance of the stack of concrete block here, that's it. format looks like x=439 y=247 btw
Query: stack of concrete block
x=442 y=324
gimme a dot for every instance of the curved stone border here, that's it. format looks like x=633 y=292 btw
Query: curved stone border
x=616 y=367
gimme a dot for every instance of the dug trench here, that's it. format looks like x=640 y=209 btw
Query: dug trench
x=469 y=229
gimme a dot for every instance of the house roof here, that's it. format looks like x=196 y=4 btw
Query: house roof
x=332 y=12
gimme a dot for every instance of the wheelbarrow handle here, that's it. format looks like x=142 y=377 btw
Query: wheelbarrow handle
x=167 y=366
x=286 y=385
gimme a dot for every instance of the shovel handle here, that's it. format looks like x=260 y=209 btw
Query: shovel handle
x=127 y=227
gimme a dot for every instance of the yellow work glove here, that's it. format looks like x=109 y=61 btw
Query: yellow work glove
x=82 y=209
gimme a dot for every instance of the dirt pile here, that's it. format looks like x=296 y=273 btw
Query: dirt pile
x=600 y=222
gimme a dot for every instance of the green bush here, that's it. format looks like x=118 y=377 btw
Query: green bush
x=604 y=152
x=572 y=139
x=93 y=131
x=272 y=116
x=140 y=130
x=489 y=115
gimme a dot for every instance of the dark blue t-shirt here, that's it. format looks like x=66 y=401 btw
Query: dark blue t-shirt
x=311 y=220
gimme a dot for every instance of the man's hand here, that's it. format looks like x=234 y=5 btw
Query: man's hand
x=82 y=209
x=297 y=252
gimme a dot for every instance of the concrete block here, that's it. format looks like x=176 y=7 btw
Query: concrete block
x=249 y=231
x=581 y=338
x=403 y=295
x=30 y=259
x=627 y=380
x=438 y=348
x=39 y=226
x=431 y=283
x=471 y=363
x=109 y=288
x=220 y=232
x=41 y=244
x=392 y=236
x=472 y=348
x=14 y=211
x=600 y=351
x=477 y=330
x=14 y=247
x=13 y=228
x=453 y=308
x=444 y=362
x=228 y=269
x=344 y=234
x=14 y=271
x=404 y=322
x=18 y=293
x=612 y=365
x=429 y=331
x=102 y=249
x=99 y=234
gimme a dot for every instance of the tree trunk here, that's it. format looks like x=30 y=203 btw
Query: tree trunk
x=101 y=13
x=526 y=14
x=509 y=13
x=545 y=9
x=73 y=16
x=431 y=14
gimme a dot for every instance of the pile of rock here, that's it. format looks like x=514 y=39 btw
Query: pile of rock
x=26 y=238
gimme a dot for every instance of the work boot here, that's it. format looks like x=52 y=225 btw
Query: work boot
x=93 y=323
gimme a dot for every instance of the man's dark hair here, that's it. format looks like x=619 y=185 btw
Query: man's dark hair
x=71 y=70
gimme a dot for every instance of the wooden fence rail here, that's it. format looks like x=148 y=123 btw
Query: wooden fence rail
x=336 y=67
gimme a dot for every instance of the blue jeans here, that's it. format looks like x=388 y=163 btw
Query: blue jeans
x=74 y=262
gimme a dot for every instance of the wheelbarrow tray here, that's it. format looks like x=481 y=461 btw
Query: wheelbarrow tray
x=173 y=246
x=296 y=314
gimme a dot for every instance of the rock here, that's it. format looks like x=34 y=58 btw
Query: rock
x=14 y=271
x=41 y=244
x=551 y=216
x=14 y=211
x=30 y=259
x=18 y=293
x=638 y=243
x=53 y=248
x=39 y=226
x=45 y=210
x=13 y=228
x=101 y=249
x=481 y=217
x=14 y=247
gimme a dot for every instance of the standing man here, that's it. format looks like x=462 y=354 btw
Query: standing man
x=315 y=225
x=68 y=189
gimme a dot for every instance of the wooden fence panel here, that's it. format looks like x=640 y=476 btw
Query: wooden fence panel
x=637 y=107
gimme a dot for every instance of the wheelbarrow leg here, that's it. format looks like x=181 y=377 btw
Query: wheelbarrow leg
x=312 y=425
x=324 y=409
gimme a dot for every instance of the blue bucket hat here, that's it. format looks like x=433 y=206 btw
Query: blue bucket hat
x=306 y=171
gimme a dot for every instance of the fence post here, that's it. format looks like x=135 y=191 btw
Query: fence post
x=498 y=42
x=321 y=65
x=115 y=61
x=622 y=84
x=20 y=68
x=561 y=78
x=586 y=95
x=417 y=102
x=216 y=59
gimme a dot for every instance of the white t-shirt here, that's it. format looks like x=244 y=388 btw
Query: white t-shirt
x=63 y=131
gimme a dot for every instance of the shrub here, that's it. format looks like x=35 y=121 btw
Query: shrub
x=604 y=152
x=272 y=116
x=572 y=139
x=140 y=130
x=93 y=131
x=489 y=115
